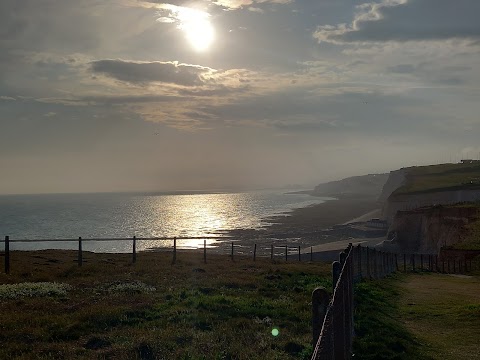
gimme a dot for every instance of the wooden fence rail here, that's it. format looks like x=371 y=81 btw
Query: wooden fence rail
x=285 y=251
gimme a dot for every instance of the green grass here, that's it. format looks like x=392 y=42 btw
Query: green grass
x=418 y=316
x=112 y=309
x=442 y=311
x=441 y=177
x=379 y=331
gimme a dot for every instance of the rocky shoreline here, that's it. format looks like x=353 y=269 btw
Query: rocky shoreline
x=304 y=227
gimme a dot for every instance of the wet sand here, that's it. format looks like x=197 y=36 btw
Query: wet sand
x=303 y=227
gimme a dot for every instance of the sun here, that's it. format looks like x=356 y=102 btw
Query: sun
x=197 y=28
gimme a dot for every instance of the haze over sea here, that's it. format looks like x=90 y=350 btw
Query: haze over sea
x=121 y=215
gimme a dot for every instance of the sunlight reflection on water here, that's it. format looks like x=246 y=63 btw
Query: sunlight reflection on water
x=125 y=215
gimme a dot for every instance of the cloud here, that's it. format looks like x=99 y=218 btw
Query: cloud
x=226 y=4
x=7 y=98
x=238 y=4
x=432 y=73
x=138 y=72
x=220 y=90
x=407 y=20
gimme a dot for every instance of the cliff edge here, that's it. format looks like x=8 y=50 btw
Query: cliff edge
x=428 y=229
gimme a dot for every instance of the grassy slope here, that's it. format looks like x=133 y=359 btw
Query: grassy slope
x=443 y=311
x=429 y=316
x=218 y=310
x=421 y=179
x=379 y=331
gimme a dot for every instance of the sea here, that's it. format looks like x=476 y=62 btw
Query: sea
x=144 y=215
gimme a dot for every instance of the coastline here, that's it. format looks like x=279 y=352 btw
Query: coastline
x=306 y=226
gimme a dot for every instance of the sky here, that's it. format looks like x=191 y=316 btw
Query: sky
x=127 y=95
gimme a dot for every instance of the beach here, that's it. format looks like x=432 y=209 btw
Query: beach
x=306 y=227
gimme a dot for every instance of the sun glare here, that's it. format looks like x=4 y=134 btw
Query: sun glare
x=197 y=28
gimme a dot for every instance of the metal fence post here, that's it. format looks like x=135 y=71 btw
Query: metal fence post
x=7 y=254
x=80 y=259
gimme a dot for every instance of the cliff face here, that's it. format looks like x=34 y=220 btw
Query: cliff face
x=403 y=202
x=395 y=180
x=427 y=229
x=364 y=185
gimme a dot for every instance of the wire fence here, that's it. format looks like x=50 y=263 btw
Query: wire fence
x=332 y=317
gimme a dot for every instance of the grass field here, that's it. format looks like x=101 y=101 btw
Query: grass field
x=112 y=309
x=418 y=317
x=422 y=179
x=443 y=312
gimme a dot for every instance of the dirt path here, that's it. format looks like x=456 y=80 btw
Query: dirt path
x=443 y=312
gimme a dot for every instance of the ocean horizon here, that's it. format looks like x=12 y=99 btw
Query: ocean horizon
x=194 y=214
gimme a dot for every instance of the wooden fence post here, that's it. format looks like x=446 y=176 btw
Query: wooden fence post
x=368 y=262
x=320 y=301
x=336 y=269
x=255 y=252
x=286 y=252
x=299 y=255
x=232 y=251
x=80 y=259
x=174 y=250
x=271 y=252
x=311 y=255
x=134 y=250
x=205 y=251
x=359 y=251
x=7 y=254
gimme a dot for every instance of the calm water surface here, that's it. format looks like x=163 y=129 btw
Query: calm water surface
x=65 y=216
